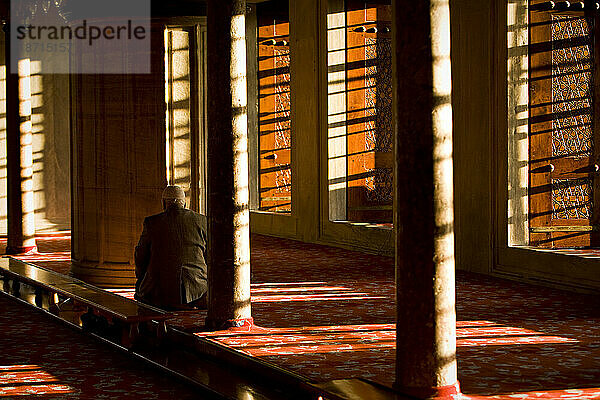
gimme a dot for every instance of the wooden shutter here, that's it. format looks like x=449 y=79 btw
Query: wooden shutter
x=275 y=173
x=369 y=112
x=563 y=165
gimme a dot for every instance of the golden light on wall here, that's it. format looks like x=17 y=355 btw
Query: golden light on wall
x=178 y=101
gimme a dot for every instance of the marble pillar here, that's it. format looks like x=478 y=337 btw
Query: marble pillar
x=228 y=192
x=118 y=166
x=19 y=155
x=424 y=217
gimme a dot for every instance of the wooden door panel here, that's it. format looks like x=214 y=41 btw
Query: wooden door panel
x=369 y=110
x=562 y=162
x=275 y=182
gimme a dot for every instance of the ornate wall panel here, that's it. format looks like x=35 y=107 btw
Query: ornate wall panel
x=571 y=198
x=571 y=90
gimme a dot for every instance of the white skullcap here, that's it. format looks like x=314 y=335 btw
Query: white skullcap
x=173 y=192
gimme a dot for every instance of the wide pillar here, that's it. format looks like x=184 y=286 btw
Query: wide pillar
x=228 y=194
x=118 y=166
x=19 y=156
x=426 y=316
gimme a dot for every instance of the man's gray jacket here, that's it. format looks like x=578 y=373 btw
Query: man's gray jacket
x=170 y=258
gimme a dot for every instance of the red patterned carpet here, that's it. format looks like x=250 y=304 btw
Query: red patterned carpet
x=43 y=359
x=328 y=313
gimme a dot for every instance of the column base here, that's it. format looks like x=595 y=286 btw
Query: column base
x=13 y=250
x=104 y=274
x=449 y=392
x=220 y=325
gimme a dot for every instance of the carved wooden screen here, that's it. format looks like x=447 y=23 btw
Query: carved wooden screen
x=563 y=170
x=369 y=112
x=275 y=174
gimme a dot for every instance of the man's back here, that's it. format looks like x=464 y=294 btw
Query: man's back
x=170 y=258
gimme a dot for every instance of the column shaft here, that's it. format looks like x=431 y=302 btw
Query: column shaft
x=424 y=217
x=228 y=195
x=118 y=165
x=19 y=155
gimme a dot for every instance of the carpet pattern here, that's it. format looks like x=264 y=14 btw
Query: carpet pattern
x=53 y=361
x=328 y=313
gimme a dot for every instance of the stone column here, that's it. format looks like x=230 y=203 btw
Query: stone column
x=228 y=215
x=426 y=316
x=19 y=156
x=118 y=166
